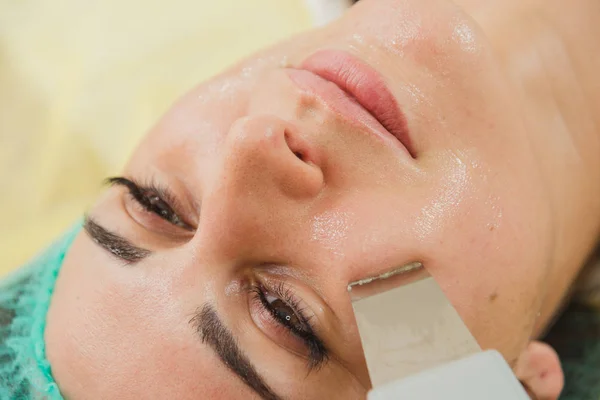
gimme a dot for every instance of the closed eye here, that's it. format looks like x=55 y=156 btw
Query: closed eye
x=154 y=199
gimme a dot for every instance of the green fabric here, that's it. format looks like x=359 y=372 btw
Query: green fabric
x=576 y=338
x=24 y=299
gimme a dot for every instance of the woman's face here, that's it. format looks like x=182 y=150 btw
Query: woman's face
x=219 y=267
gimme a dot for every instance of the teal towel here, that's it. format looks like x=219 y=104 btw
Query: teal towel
x=576 y=338
x=24 y=299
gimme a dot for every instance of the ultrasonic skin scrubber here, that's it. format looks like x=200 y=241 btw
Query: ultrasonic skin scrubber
x=417 y=347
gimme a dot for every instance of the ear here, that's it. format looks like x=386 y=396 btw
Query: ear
x=538 y=368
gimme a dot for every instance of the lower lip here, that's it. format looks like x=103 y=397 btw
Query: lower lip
x=343 y=104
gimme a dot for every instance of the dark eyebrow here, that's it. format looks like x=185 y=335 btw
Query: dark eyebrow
x=115 y=244
x=216 y=335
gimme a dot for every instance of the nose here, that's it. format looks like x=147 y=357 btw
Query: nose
x=265 y=154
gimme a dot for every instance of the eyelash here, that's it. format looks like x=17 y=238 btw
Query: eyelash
x=148 y=197
x=317 y=352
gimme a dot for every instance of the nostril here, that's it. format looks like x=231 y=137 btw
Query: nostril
x=300 y=147
x=303 y=178
x=293 y=146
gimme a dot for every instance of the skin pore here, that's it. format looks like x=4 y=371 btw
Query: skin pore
x=217 y=265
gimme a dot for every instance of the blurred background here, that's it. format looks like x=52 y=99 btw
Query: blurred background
x=82 y=80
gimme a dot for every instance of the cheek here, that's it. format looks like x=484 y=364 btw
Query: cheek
x=490 y=261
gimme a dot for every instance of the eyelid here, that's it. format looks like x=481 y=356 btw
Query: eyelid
x=287 y=296
x=162 y=191
x=316 y=352
x=299 y=275
x=307 y=289
x=136 y=189
x=273 y=329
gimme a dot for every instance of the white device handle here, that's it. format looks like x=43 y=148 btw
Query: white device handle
x=481 y=376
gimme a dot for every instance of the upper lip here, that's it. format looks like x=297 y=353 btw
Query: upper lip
x=365 y=85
